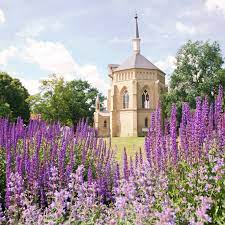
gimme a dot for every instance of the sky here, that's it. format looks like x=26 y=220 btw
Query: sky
x=79 y=38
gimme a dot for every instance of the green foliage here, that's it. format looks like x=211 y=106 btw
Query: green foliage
x=5 y=110
x=67 y=102
x=13 y=98
x=189 y=182
x=198 y=73
x=2 y=173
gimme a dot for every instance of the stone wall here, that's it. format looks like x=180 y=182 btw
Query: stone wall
x=102 y=124
x=131 y=121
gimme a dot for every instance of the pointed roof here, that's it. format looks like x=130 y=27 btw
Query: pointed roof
x=137 y=61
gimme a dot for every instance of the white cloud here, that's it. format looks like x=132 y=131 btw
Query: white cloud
x=91 y=74
x=7 y=54
x=35 y=28
x=167 y=65
x=31 y=31
x=55 y=58
x=216 y=6
x=31 y=85
x=50 y=56
x=2 y=17
x=189 y=12
x=117 y=40
x=181 y=27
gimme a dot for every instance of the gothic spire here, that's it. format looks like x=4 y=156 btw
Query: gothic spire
x=137 y=31
x=136 y=40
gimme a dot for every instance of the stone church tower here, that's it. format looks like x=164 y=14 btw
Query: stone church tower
x=136 y=86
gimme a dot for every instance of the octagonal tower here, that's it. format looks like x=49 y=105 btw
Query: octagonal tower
x=136 y=86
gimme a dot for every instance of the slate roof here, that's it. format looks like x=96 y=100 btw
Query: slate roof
x=137 y=61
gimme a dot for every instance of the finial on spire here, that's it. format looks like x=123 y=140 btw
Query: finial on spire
x=137 y=32
x=136 y=41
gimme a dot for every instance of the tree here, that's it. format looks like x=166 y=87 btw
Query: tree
x=198 y=73
x=13 y=98
x=81 y=98
x=5 y=110
x=67 y=102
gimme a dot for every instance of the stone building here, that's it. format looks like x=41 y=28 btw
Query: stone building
x=136 y=86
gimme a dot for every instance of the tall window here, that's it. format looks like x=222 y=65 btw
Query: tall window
x=105 y=123
x=125 y=99
x=146 y=122
x=145 y=100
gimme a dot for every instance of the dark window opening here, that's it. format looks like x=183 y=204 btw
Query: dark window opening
x=145 y=100
x=125 y=99
x=146 y=122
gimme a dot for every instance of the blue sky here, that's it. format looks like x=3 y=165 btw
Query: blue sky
x=78 y=39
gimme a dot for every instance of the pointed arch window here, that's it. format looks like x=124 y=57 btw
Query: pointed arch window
x=145 y=100
x=146 y=122
x=125 y=99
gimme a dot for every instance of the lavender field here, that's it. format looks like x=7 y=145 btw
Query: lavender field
x=50 y=174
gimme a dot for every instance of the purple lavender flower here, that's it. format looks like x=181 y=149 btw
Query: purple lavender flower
x=2 y=216
x=218 y=106
x=198 y=132
x=117 y=175
x=15 y=197
x=140 y=157
x=89 y=175
x=205 y=112
x=166 y=217
x=173 y=134
x=201 y=212
x=125 y=165
x=185 y=130
x=136 y=160
x=131 y=167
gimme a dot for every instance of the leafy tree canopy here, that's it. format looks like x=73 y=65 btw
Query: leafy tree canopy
x=67 y=102
x=13 y=98
x=198 y=73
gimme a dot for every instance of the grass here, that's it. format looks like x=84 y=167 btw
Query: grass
x=132 y=144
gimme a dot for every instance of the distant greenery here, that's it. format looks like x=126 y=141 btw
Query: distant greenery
x=67 y=102
x=13 y=97
x=198 y=73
